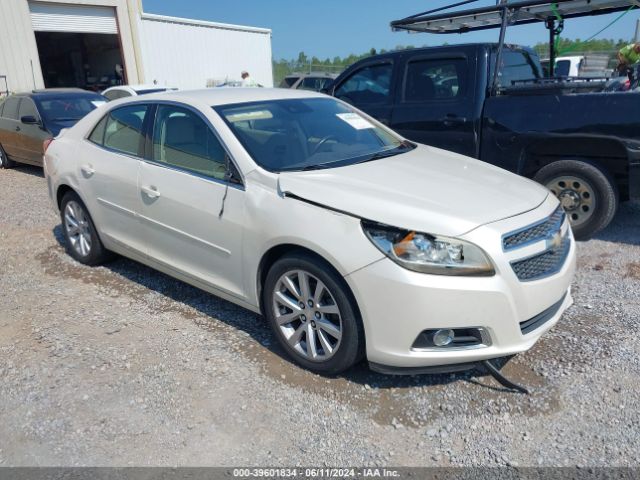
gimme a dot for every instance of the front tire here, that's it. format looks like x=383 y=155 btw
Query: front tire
x=587 y=193
x=4 y=160
x=312 y=314
x=80 y=233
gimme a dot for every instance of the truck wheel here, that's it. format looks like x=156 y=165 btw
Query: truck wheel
x=587 y=193
x=4 y=160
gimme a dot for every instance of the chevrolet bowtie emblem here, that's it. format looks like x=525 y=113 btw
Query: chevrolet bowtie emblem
x=554 y=240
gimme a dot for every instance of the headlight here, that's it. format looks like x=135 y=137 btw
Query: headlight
x=422 y=252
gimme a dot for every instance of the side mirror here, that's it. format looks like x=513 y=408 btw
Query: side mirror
x=30 y=120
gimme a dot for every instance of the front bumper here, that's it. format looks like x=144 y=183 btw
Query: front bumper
x=397 y=304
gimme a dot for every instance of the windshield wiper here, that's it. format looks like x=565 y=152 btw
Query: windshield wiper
x=402 y=148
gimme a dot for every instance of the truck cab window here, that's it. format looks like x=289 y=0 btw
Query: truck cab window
x=435 y=79
x=517 y=66
x=368 y=85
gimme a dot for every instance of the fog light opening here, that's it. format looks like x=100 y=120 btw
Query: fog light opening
x=442 y=338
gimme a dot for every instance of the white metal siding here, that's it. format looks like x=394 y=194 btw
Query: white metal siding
x=48 y=17
x=186 y=54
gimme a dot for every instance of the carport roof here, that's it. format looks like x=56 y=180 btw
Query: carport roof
x=523 y=12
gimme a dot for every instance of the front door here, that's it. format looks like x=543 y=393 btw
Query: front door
x=192 y=215
x=32 y=135
x=370 y=88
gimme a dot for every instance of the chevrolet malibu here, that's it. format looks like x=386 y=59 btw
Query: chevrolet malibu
x=351 y=241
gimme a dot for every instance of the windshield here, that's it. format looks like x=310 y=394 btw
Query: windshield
x=307 y=133
x=68 y=107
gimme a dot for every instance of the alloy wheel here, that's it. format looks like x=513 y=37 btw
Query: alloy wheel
x=307 y=315
x=576 y=197
x=76 y=224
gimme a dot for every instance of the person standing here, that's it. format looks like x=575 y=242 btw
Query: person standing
x=628 y=56
x=247 y=81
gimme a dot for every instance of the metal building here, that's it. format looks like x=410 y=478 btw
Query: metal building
x=94 y=44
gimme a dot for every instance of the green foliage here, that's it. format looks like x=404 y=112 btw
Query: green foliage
x=568 y=47
x=304 y=64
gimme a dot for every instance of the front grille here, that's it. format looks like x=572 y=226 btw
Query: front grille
x=534 y=233
x=544 y=264
x=536 y=322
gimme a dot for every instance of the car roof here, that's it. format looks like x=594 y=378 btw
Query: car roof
x=51 y=92
x=137 y=88
x=228 y=96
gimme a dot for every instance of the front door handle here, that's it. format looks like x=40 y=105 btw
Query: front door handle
x=88 y=170
x=450 y=120
x=150 y=191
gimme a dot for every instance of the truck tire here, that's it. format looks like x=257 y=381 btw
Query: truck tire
x=587 y=192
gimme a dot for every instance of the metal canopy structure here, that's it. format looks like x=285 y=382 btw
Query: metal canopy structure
x=505 y=13
x=520 y=13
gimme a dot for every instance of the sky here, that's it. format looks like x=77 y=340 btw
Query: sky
x=332 y=28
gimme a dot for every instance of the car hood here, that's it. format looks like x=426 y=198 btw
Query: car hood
x=427 y=189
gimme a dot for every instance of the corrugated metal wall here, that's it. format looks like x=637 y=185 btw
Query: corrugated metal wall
x=18 y=49
x=188 y=54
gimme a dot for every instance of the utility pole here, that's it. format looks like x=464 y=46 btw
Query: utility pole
x=637 y=37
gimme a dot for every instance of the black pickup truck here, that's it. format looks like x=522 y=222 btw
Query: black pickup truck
x=582 y=144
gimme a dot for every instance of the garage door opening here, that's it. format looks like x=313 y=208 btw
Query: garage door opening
x=84 y=60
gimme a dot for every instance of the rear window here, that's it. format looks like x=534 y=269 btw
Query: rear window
x=68 y=107
x=288 y=82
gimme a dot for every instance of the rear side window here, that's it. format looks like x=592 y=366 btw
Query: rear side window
x=97 y=136
x=435 y=79
x=116 y=94
x=182 y=139
x=10 y=109
x=121 y=129
x=313 y=83
x=288 y=82
x=368 y=85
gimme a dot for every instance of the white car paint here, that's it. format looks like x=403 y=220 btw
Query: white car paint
x=134 y=90
x=188 y=234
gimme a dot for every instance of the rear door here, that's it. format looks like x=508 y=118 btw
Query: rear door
x=191 y=213
x=370 y=87
x=435 y=103
x=10 y=128
x=109 y=163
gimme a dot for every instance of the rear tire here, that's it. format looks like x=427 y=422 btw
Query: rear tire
x=4 y=160
x=312 y=314
x=587 y=192
x=80 y=233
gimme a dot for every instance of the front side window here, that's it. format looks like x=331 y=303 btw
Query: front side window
x=308 y=133
x=435 y=79
x=28 y=109
x=313 y=83
x=123 y=129
x=369 y=85
x=182 y=139
x=10 y=109
x=288 y=82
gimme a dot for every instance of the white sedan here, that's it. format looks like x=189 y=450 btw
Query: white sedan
x=352 y=241
x=124 y=91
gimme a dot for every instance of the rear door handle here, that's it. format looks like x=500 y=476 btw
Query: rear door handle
x=88 y=170
x=18 y=129
x=150 y=191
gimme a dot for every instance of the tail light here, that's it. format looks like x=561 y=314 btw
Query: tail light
x=46 y=144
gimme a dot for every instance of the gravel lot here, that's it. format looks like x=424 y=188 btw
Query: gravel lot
x=120 y=365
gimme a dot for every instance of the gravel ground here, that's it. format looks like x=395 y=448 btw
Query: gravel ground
x=120 y=365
